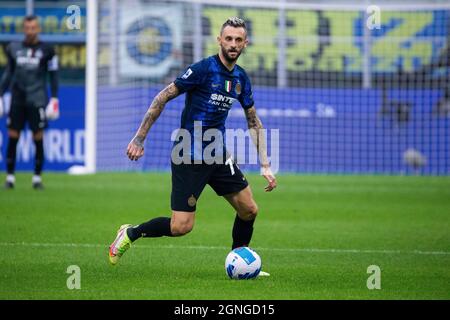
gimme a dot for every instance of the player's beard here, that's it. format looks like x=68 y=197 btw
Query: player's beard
x=227 y=56
x=31 y=39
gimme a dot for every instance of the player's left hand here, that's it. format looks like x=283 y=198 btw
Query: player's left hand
x=266 y=172
x=52 y=109
x=135 y=148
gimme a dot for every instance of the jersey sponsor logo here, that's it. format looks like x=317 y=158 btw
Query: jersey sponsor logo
x=187 y=74
x=223 y=102
x=28 y=61
x=222 y=98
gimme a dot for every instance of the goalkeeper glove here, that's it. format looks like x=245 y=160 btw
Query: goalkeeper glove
x=2 y=107
x=52 y=110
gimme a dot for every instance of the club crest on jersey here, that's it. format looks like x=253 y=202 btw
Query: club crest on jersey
x=238 y=88
x=227 y=86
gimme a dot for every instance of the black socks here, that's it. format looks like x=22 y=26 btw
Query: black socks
x=11 y=155
x=39 y=158
x=159 y=227
x=242 y=232
x=156 y=227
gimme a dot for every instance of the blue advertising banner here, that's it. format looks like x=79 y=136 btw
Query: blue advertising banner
x=320 y=130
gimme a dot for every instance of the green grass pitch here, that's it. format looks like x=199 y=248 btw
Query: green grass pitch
x=316 y=235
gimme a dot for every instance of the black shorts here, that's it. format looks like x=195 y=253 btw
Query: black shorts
x=189 y=180
x=19 y=114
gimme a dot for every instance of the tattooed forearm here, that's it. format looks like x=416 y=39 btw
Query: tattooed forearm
x=257 y=133
x=153 y=112
x=252 y=118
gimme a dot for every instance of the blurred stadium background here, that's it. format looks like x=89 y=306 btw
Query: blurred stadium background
x=360 y=113
x=346 y=98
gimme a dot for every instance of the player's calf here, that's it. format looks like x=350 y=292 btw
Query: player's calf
x=180 y=229
x=181 y=223
x=243 y=224
x=242 y=232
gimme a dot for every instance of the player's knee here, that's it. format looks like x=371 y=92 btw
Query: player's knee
x=181 y=228
x=250 y=212
x=253 y=210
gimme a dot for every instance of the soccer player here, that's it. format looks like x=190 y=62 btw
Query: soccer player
x=29 y=62
x=211 y=85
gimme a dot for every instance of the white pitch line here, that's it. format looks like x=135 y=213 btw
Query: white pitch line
x=311 y=250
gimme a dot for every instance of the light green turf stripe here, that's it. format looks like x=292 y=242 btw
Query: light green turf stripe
x=313 y=250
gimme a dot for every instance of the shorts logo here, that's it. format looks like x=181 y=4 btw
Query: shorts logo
x=227 y=85
x=192 y=201
x=238 y=88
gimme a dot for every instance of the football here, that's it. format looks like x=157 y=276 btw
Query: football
x=243 y=263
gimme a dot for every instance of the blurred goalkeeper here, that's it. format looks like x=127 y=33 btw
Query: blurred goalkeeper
x=29 y=62
x=211 y=86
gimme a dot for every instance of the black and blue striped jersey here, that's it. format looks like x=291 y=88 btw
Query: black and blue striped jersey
x=211 y=89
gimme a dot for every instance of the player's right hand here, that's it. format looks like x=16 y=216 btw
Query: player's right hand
x=135 y=148
x=2 y=107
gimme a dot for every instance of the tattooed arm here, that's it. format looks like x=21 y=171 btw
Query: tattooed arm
x=135 y=148
x=259 y=139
